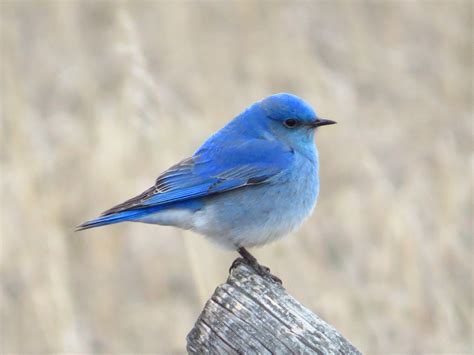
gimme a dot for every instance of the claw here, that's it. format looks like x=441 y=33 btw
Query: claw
x=251 y=261
x=236 y=263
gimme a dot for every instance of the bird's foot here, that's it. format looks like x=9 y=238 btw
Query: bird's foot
x=251 y=261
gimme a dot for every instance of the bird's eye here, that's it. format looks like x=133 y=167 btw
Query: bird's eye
x=291 y=123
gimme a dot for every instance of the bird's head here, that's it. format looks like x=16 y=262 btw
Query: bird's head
x=290 y=118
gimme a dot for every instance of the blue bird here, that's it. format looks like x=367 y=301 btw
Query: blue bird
x=250 y=183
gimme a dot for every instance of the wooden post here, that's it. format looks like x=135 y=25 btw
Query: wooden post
x=250 y=314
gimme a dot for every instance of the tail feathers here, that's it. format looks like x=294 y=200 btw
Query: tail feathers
x=110 y=219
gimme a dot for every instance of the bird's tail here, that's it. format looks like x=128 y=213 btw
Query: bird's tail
x=110 y=219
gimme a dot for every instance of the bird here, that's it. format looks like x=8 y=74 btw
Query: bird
x=251 y=183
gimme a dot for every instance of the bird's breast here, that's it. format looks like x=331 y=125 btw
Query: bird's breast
x=258 y=214
x=301 y=191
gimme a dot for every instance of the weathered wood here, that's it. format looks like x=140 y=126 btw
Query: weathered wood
x=250 y=314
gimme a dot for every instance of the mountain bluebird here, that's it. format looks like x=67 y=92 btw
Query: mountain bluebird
x=252 y=182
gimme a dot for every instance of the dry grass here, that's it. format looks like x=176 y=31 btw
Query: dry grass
x=100 y=97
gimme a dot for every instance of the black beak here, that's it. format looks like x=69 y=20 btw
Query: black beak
x=322 y=122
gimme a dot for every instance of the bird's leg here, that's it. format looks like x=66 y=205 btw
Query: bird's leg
x=253 y=263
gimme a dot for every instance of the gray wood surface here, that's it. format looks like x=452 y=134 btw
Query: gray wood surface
x=253 y=315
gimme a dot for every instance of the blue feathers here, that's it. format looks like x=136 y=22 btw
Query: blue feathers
x=111 y=219
x=243 y=164
x=251 y=182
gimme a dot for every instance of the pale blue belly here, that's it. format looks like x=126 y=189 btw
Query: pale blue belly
x=259 y=214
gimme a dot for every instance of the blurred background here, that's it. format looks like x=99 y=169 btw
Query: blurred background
x=98 y=98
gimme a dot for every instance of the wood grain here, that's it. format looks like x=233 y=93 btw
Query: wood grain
x=255 y=315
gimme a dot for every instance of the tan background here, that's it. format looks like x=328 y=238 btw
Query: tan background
x=99 y=97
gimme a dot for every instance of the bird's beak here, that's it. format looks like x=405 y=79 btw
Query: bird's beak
x=322 y=122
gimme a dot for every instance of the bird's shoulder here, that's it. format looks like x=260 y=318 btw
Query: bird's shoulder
x=244 y=151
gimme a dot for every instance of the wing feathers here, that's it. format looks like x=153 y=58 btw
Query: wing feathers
x=204 y=175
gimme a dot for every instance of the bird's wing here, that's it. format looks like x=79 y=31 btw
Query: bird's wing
x=215 y=171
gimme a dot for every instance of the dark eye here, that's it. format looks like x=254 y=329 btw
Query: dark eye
x=291 y=123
